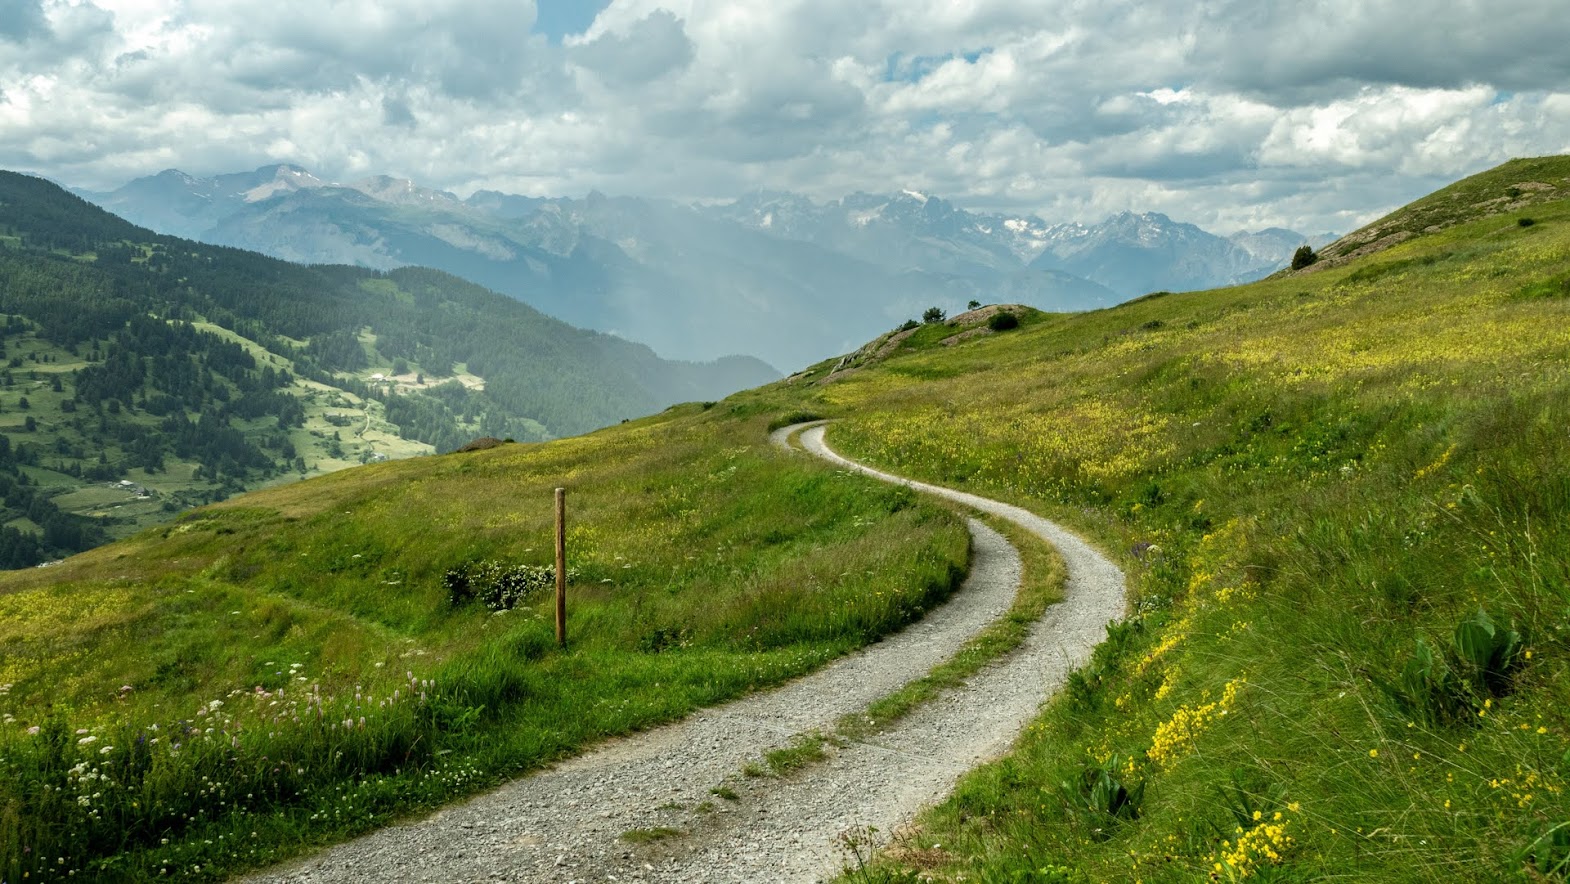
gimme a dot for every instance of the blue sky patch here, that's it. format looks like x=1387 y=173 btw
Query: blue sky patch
x=902 y=68
x=559 y=18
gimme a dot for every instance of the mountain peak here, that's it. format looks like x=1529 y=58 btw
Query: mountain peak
x=772 y=198
x=387 y=181
x=174 y=176
x=276 y=169
x=279 y=178
x=1155 y=219
x=402 y=191
x=1137 y=252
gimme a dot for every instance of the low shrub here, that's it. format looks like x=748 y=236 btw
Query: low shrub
x=1003 y=321
x=1553 y=287
x=1490 y=652
x=1549 y=854
x=497 y=585
x=480 y=444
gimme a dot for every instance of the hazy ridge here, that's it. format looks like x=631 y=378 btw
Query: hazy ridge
x=773 y=275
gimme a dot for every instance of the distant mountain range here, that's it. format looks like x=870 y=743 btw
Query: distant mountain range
x=772 y=275
x=1134 y=254
x=165 y=373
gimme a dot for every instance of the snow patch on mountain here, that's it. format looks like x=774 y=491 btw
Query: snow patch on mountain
x=286 y=179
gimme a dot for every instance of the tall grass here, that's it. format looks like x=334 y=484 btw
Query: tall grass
x=1314 y=481
x=287 y=669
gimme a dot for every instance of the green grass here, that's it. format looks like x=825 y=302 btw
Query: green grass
x=803 y=750
x=708 y=565
x=927 y=336
x=1310 y=480
x=1040 y=586
x=644 y=836
x=1305 y=477
x=1512 y=188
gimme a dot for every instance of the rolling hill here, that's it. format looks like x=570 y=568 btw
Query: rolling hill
x=147 y=374
x=1339 y=493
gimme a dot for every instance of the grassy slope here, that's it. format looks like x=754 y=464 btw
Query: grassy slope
x=1511 y=187
x=707 y=565
x=1304 y=477
x=1379 y=445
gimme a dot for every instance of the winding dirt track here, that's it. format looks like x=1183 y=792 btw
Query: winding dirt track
x=564 y=824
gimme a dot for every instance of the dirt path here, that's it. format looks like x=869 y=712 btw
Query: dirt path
x=565 y=823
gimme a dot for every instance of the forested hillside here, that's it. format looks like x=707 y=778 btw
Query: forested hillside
x=180 y=373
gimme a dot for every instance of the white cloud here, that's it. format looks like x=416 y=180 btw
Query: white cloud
x=1229 y=112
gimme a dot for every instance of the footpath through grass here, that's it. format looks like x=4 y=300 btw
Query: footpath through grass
x=288 y=668
x=1342 y=499
x=1041 y=584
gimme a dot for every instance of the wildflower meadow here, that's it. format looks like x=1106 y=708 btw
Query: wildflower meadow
x=1340 y=496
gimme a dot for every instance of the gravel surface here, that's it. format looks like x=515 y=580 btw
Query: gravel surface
x=564 y=824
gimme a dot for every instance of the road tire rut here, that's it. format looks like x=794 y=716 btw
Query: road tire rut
x=564 y=823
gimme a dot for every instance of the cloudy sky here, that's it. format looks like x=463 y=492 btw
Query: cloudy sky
x=1315 y=114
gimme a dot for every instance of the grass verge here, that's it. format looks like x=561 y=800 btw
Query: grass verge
x=1041 y=584
x=290 y=668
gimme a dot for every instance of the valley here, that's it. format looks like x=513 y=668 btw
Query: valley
x=189 y=373
x=773 y=275
x=605 y=441
x=1337 y=495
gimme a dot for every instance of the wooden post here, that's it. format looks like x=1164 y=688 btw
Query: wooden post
x=561 y=567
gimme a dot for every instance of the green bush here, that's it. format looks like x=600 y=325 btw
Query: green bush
x=1553 y=287
x=1549 y=854
x=497 y=585
x=1303 y=257
x=1428 y=689
x=797 y=416
x=1003 y=321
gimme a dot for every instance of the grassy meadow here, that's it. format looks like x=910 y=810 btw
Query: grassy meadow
x=288 y=667
x=1341 y=497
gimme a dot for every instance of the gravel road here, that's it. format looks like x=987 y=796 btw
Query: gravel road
x=564 y=824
